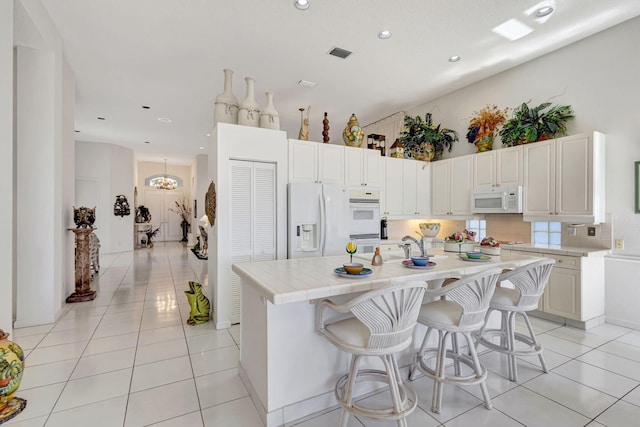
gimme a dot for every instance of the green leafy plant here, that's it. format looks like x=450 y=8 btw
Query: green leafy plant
x=534 y=124
x=423 y=140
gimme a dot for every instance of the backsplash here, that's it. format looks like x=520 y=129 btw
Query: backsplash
x=511 y=228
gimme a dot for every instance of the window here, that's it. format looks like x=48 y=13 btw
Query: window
x=548 y=233
x=479 y=226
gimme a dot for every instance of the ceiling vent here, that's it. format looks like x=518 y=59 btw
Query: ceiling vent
x=340 y=53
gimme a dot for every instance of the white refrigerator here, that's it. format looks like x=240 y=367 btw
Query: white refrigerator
x=318 y=219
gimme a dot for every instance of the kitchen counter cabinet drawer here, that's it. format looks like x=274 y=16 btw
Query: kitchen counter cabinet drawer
x=565 y=261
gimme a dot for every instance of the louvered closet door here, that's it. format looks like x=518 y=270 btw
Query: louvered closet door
x=253 y=219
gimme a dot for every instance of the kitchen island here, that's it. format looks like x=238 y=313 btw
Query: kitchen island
x=287 y=367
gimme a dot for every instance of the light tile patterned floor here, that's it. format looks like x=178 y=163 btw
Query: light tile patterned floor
x=129 y=359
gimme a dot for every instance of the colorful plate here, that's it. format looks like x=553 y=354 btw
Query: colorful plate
x=409 y=264
x=340 y=271
x=483 y=258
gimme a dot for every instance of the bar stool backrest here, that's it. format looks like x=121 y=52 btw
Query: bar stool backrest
x=390 y=314
x=473 y=294
x=530 y=280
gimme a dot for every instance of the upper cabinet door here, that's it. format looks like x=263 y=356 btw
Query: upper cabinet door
x=574 y=183
x=539 y=179
x=393 y=184
x=510 y=165
x=330 y=164
x=409 y=185
x=440 y=188
x=353 y=166
x=373 y=168
x=461 y=184
x=423 y=190
x=303 y=161
x=484 y=169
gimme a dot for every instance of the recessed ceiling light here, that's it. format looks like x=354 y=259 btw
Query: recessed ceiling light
x=164 y=119
x=454 y=58
x=146 y=107
x=76 y=131
x=512 y=29
x=147 y=142
x=202 y=148
x=101 y=118
x=301 y=4
x=543 y=11
x=208 y=134
x=384 y=34
x=306 y=83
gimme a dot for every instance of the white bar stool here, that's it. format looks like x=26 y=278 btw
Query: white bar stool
x=529 y=282
x=382 y=325
x=460 y=310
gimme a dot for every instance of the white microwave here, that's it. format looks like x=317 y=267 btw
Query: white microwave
x=497 y=200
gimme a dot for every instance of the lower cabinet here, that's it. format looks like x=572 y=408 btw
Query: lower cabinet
x=576 y=287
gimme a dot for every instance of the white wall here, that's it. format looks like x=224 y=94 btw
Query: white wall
x=240 y=143
x=598 y=76
x=7 y=229
x=201 y=182
x=104 y=171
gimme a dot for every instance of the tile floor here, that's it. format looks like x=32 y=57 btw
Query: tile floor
x=128 y=359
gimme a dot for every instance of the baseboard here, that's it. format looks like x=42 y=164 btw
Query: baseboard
x=225 y=324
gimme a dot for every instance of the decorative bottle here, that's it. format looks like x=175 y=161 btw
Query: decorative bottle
x=249 y=112
x=226 y=104
x=377 y=258
x=269 y=118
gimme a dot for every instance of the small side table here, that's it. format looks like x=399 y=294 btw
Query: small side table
x=83 y=273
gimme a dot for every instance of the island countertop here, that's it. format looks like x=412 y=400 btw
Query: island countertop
x=304 y=279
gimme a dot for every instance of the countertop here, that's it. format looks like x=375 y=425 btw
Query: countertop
x=305 y=279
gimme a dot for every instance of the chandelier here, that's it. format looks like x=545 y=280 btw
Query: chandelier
x=166 y=183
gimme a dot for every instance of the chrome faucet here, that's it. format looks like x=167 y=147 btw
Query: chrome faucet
x=419 y=243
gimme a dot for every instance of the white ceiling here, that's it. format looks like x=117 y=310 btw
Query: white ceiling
x=169 y=55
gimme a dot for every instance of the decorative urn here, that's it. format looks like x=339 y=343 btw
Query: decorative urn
x=11 y=369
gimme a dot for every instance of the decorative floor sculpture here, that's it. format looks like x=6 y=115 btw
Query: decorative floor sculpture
x=200 y=306
x=83 y=290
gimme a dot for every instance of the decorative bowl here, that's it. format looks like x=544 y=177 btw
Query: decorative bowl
x=353 y=267
x=459 y=247
x=474 y=255
x=420 y=260
x=489 y=250
x=429 y=229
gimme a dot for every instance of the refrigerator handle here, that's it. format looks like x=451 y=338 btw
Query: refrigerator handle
x=323 y=223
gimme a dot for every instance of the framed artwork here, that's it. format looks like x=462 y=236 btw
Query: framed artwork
x=210 y=203
x=637 y=186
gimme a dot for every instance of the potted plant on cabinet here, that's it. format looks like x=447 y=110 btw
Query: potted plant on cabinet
x=483 y=125
x=534 y=124
x=422 y=140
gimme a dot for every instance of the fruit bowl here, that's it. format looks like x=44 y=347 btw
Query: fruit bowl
x=420 y=260
x=490 y=250
x=466 y=246
x=429 y=229
x=353 y=267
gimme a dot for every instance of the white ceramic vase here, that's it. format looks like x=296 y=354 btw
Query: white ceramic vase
x=269 y=118
x=249 y=112
x=226 y=104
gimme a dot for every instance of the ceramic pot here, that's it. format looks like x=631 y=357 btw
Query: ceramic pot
x=353 y=135
x=249 y=112
x=269 y=118
x=226 y=104
x=485 y=144
x=11 y=368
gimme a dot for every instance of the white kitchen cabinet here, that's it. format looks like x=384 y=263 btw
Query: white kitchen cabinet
x=393 y=194
x=451 y=183
x=564 y=179
x=498 y=167
x=407 y=189
x=315 y=162
x=363 y=167
x=575 y=289
x=416 y=187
